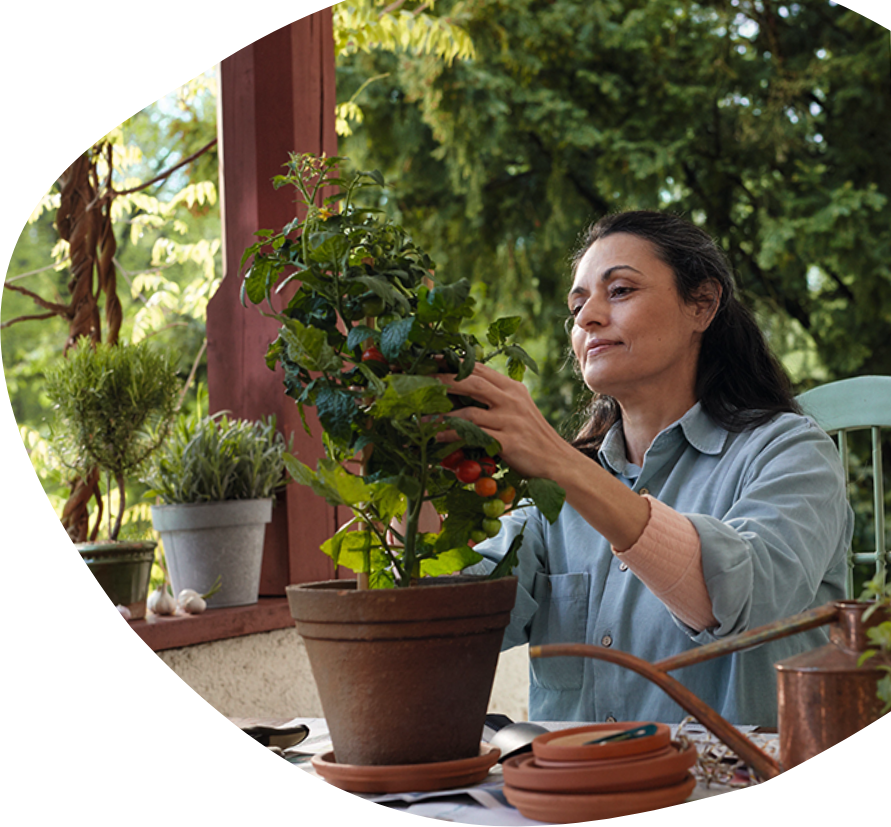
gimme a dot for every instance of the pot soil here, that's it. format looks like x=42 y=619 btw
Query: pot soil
x=404 y=675
x=123 y=569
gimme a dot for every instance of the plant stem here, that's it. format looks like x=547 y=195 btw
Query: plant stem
x=121 y=503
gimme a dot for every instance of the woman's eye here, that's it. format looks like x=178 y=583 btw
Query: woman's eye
x=617 y=292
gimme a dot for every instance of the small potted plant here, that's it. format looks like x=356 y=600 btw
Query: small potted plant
x=113 y=406
x=361 y=339
x=216 y=478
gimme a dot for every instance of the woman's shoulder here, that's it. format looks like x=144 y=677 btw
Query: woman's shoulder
x=784 y=434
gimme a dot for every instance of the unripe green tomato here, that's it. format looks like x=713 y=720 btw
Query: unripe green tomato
x=491 y=527
x=373 y=306
x=493 y=508
x=479 y=535
x=479 y=352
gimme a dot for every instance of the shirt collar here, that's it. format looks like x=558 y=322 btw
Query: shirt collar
x=696 y=427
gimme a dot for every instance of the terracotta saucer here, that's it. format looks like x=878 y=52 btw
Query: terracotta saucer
x=568 y=807
x=663 y=768
x=402 y=778
x=569 y=744
x=543 y=762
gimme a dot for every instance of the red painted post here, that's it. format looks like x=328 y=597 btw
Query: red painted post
x=276 y=96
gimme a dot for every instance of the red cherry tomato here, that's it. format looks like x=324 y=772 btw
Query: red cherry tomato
x=486 y=487
x=488 y=466
x=468 y=471
x=372 y=354
x=453 y=460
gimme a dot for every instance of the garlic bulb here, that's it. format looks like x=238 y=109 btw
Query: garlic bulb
x=161 y=602
x=185 y=595
x=125 y=612
x=194 y=604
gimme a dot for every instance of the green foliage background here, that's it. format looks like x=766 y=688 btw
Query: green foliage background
x=503 y=127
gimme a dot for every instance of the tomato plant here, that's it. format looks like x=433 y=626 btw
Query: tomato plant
x=361 y=340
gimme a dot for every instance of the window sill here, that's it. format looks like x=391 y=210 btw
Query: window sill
x=176 y=631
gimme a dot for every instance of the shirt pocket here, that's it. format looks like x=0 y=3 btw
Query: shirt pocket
x=561 y=617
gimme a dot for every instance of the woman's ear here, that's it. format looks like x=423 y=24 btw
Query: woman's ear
x=706 y=303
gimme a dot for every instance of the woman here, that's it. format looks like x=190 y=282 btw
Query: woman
x=699 y=502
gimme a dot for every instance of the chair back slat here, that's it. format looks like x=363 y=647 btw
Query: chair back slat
x=862 y=402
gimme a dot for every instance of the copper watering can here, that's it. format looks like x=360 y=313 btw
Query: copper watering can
x=823 y=696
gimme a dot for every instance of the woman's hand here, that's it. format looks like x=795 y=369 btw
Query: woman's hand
x=527 y=441
x=534 y=449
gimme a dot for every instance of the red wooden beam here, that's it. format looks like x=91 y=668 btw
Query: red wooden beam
x=276 y=96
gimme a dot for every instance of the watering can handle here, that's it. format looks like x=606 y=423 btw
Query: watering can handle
x=762 y=763
x=766 y=766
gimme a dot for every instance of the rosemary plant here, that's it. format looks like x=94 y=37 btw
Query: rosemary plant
x=113 y=407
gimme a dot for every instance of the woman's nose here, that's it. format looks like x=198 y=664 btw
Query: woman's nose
x=592 y=312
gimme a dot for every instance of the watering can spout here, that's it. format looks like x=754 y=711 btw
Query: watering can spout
x=829 y=678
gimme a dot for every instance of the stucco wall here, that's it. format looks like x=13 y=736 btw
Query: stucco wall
x=267 y=675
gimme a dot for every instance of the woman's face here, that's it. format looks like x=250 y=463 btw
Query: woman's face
x=633 y=336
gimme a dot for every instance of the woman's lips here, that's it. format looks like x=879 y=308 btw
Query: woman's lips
x=598 y=346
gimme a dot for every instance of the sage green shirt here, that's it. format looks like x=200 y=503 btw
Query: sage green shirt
x=774 y=523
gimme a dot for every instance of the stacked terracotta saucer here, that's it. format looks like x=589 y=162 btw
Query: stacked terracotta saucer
x=575 y=775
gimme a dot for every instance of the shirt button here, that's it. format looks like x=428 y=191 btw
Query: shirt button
x=623 y=567
x=610 y=719
x=606 y=640
x=644 y=491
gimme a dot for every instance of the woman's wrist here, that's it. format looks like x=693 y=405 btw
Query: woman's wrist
x=610 y=507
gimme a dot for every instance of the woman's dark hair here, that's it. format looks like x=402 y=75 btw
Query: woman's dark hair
x=739 y=382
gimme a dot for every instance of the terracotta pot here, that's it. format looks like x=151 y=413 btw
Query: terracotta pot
x=404 y=675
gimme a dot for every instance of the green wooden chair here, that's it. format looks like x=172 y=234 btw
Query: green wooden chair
x=863 y=402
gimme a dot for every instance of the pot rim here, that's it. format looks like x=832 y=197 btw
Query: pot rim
x=438 y=582
x=117 y=545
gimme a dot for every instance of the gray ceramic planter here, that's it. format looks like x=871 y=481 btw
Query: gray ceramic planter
x=203 y=541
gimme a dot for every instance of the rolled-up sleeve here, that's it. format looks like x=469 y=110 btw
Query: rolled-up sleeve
x=767 y=557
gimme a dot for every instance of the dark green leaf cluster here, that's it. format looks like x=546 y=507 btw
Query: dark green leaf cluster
x=363 y=336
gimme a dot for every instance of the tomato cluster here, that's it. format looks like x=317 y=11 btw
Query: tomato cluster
x=479 y=471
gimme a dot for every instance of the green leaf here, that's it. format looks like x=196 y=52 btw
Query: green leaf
x=359 y=335
x=547 y=496
x=329 y=246
x=331 y=481
x=449 y=562
x=469 y=361
x=511 y=559
x=407 y=396
x=337 y=411
x=351 y=489
x=502 y=329
x=473 y=435
x=308 y=347
x=516 y=354
x=394 y=336
x=359 y=551
x=381 y=287
x=259 y=279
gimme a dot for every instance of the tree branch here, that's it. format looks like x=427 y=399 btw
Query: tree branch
x=166 y=173
x=57 y=309
x=27 y=318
